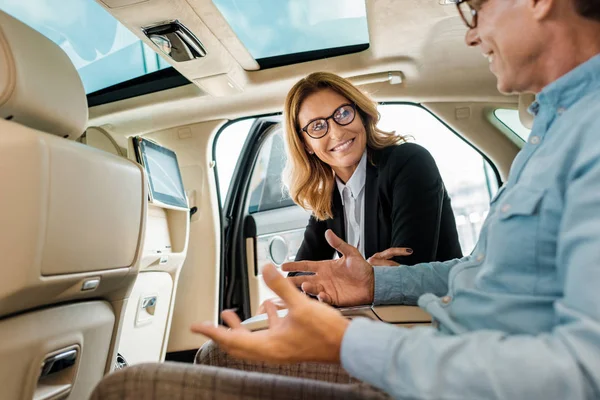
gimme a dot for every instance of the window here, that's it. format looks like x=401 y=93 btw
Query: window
x=227 y=151
x=510 y=118
x=104 y=52
x=266 y=187
x=275 y=28
x=469 y=179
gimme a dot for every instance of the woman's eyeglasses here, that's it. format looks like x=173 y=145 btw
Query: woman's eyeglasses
x=468 y=12
x=319 y=127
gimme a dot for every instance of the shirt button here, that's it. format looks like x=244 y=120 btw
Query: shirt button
x=480 y=258
x=561 y=110
x=534 y=140
x=505 y=208
x=446 y=299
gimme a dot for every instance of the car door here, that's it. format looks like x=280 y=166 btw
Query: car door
x=261 y=223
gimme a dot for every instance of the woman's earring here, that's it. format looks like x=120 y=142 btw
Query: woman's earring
x=311 y=152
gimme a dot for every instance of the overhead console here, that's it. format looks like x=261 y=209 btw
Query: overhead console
x=149 y=312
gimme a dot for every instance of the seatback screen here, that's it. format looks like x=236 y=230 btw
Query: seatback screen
x=163 y=173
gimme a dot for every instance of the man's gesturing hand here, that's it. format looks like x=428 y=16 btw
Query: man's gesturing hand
x=347 y=281
x=311 y=331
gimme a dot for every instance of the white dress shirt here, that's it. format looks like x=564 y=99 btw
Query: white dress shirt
x=353 y=201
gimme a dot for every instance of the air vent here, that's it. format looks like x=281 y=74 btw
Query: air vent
x=175 y=40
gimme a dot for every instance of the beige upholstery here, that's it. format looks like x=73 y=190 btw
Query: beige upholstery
x=72 y=223
x=55 y=105
x=100 y=138
x=65 y=209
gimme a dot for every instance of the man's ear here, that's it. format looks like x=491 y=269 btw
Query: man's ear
x=541 y=9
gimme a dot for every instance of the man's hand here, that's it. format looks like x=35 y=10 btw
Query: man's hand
x=347 y=281
x=382 y=258
x=311 y=331
x=275 y=301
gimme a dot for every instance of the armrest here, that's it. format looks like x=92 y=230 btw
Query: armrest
x=397 y=315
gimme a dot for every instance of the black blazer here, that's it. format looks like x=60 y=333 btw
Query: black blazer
x=406 y=205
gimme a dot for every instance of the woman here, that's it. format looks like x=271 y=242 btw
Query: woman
x=369 y=187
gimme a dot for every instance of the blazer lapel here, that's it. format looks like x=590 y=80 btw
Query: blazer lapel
x=371 y=233
x=338 y=222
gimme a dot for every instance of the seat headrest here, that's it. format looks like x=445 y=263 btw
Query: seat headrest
x=39 y=86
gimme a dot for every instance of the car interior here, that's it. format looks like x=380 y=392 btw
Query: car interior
x=141 y=154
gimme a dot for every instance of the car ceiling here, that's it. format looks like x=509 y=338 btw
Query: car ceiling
x=421 y=39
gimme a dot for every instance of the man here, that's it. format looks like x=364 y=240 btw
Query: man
x=520 y=317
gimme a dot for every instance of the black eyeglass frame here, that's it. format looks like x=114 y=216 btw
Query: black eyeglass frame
x=305 y=129
x=472 y=25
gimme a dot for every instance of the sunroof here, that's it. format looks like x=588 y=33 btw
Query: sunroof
x=104 y=52
x=279 y=32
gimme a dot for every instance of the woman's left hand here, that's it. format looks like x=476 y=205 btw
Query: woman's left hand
x=382 y=259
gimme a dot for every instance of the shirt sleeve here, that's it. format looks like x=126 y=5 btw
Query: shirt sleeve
x=562 y=363
x=405 y=284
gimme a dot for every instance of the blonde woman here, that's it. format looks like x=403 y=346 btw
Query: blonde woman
x=371 y=188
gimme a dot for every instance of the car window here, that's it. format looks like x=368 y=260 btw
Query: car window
x=228 y=147
x=266 y=186
x=468 y=176
x=510 y=118
x=103 y=51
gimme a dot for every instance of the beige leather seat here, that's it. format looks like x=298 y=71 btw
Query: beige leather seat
x=72 y=221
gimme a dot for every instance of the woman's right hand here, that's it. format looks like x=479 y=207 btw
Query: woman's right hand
x=276 y=301
x=382 y=259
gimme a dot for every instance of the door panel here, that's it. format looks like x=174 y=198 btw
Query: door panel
x=275 y=238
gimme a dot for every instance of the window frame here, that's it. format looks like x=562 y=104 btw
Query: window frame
x=227 y=293
x=381 y=103
x=167 y=78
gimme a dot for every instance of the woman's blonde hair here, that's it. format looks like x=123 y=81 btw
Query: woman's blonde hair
x=309 y=180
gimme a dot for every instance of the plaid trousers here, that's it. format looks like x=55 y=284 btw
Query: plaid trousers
x=199 y=382
x=308 y=374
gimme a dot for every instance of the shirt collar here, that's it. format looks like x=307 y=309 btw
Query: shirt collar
x=569 y=88
x=357 y=181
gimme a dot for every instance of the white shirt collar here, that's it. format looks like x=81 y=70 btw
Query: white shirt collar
x=356 y=183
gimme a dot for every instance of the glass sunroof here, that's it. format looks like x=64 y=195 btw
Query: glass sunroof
x=104 y=52
x=275 y=28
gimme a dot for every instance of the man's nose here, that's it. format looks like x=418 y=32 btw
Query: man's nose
x=472 y=38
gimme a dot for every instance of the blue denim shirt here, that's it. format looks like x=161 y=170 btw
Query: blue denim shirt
x=520 y=316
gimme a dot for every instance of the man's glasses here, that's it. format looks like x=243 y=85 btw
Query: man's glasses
x=319 y=127
x=467 y=12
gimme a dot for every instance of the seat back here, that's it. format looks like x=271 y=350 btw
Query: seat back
x=72 y=223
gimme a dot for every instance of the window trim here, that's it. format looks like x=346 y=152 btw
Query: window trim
x=312 y=55
x=167 y=78
x=495 y=118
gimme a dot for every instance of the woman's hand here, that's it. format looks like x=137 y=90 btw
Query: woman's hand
x=311 y=331
x=382 y=259
x=275 y=301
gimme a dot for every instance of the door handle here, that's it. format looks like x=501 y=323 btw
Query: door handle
x=59 y=362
